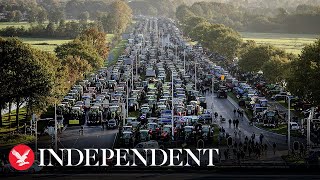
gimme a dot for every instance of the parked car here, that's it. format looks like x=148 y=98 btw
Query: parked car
x=112 y=124
x=294 y=126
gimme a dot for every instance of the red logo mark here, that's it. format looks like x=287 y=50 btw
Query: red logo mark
x=21 y=157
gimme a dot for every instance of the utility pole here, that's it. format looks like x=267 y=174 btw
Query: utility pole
x=55 y=128
x=289 y=127
x=136 y=64
x=36 y=134
x=308 y=127
x=195 y=74
x=184 y=62
x=172 y=107
x=176 y=52
x=212 y=85
x=127 y=98
x=132 y=76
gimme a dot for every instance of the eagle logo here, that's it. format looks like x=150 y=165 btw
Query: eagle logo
x=21 y=157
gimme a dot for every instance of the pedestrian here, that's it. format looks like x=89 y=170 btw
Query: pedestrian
x=237 y=123
x=274 y=148
x=234 y=123
x=230 y=123
x=253 y=136
x=261 y=138
x=234 y=112
x=246 y=139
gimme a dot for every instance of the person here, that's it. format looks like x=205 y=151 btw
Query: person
x=274 y=148
x=237 y=123
x=253 y=136
x=261 y=138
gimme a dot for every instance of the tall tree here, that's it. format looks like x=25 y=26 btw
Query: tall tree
x=22 y=72
x=305 y=72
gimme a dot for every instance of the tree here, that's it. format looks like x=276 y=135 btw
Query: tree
x=119 y=17
x=255 y=57
x=23 y=73
x=183 y=13
x=17 y=16
x=84 y=16
x=97 y=39
x=41 y=16
x=192 y=22
x=305 y=72
x=275 y=70
x=84 y=50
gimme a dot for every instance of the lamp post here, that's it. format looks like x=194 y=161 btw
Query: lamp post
x=55 y=128
x=172 y=107
x=184 y=62
x=176 y=52
x=127 y=113
x=132 y=75
x=195 y=74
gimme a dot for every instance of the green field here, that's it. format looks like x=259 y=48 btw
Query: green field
x=15 y=24
x=45 y=44
x=290 y=42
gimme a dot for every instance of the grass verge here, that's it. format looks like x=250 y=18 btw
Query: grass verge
x=116 y=52
x=281 y=129
x=8 y=140
x=9 y=126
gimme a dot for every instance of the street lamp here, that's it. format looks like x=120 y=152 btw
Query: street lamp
x=289 y=128
x=127 y=98
x=172 y=107
x=176 y=52
x=55 y=128
x=195 y=74
x=132 y=75
x=184 y=62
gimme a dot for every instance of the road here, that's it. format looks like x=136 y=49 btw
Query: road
x=225 y=108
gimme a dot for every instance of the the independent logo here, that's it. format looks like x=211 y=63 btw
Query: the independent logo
x=21 y=157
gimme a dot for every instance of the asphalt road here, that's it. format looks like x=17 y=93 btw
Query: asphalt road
x=225 y=108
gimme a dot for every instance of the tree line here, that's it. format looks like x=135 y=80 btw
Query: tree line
x=116 y=22
x=39 y=78
x=303 y=19
x=298 y=74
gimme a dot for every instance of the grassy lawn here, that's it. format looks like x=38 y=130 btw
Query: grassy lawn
x=11 y=126
x=290 y=42
x=116 y=52
x=281 y=129
x=15 y=24
x=7 y=140
x=45 y=44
